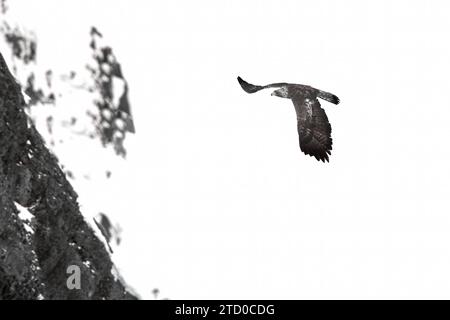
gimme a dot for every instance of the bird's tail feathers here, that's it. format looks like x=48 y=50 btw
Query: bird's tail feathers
x=328 y=96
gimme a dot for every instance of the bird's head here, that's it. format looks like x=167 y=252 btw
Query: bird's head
x=283 y=92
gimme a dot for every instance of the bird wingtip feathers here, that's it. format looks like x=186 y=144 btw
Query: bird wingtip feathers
x=324 y=157
x=244 y=84
x=247 y=87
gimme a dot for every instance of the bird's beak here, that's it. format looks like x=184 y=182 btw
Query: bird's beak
x=272 y=94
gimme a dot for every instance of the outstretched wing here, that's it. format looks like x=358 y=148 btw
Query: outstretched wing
x=251 y=88
x=314 y=130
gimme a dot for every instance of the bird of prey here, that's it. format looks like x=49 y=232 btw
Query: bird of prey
x=314 y=130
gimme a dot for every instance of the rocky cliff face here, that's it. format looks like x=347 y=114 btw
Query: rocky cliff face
x=49 y=122
x=36 y=252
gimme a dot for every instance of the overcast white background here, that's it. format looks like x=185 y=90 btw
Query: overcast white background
x=218 y=201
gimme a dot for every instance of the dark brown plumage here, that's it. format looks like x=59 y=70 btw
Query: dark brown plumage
x=314 y=130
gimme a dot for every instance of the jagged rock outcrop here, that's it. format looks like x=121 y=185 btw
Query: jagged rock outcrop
x=85 y=109
x=35 y=254
x=114 y=119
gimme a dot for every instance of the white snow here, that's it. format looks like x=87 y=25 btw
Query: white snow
x=25 y=216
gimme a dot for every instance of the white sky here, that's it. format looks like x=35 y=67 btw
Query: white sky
x=219 y=202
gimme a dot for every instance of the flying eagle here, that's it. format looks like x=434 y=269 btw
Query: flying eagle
x=314 y=130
